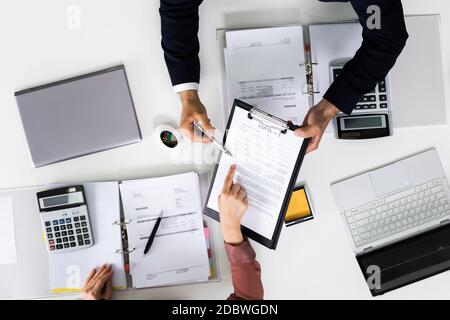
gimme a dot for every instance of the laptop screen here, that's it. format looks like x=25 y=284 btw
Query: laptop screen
x=407 y=261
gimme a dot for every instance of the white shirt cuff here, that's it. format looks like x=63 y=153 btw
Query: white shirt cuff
x=185 y=86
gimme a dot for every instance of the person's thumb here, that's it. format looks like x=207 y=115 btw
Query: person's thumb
x=205 y=123
x=306 y=132
x=207 y=127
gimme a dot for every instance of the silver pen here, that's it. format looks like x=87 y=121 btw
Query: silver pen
x=214 y=140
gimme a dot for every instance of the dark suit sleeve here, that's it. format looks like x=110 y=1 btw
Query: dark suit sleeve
x=377 y=55
x=179 y=28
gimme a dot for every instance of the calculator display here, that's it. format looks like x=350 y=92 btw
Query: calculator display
x=363 y=122
x=61 y=200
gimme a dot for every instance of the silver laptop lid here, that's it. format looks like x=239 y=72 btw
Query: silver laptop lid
x=78 y=116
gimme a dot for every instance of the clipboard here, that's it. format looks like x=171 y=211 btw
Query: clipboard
x=274 y=123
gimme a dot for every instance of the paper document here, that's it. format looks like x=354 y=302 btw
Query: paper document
x=178 y=253
x=265 y=160
x=264 y=68
x=68 y=271
x=331 y=43
x=8 y=253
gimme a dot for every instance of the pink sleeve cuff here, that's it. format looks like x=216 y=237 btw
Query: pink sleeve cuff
x=241 y=253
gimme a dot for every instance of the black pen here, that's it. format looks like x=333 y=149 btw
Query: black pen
x=153 y=234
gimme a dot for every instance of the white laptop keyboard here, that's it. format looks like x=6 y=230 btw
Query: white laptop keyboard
x=398 y=212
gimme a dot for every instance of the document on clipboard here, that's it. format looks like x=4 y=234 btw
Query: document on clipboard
x=268 y=157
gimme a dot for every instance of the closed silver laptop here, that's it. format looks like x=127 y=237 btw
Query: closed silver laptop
x=78 y=116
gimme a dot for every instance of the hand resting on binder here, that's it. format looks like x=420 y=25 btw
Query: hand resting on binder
x=316 y=122
x=98 y=285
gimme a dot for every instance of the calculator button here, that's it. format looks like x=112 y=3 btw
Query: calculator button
x=383 y=97
x=55 y=222
x=383 y=105
x=68 y=220
x=365 y=106
x=61 y=221
x=87 y=242
x=52 y=248
x=69 y=226
x=59 y=246
x=48 y=224
x=80 y=237
x=77 y=225
x=372 y=106
x=85 y=229
x=76 y=219
x=56 y=228
x=65 y=239
x=382 y=86
x=72 y=238
x=66 y=245
x=73 y=244
x=50 y=236
x=51 y=241
x=78 y=231
x=49 y=229
x=63 y=227
x=57 y=234
x=372 y=98
x=82 y=218
x=86 y=236
x=58 y=240
x=64 y=233
x=84 y=224
x=80 y=242
x=70 y=232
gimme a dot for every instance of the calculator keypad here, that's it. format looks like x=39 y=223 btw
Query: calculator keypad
x=68 y=233
x=376 y=99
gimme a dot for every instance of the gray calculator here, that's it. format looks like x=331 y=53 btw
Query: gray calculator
x=65 y=219
x=371 y=117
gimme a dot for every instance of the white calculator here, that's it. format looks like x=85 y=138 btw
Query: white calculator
x=371 y=117
x=65 y=219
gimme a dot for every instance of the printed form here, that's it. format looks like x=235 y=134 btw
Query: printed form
x=265 y=159
x=265 y=69
x=178 y=253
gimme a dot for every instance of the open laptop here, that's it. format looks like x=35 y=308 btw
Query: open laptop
x=78 y=116
x=398 y=220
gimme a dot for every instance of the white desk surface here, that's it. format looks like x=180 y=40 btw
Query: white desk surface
x=314 y=259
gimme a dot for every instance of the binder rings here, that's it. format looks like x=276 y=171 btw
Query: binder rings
x=257 y=63
x=38 y=275
x=180 y=243
x=319 y=46
x=268 y=157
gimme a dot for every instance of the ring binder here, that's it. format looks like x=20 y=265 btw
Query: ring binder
x=122 y=224
x=309 y=78
x=120 y=251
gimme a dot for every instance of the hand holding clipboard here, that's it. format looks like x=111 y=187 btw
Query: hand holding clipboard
x=268 y=157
